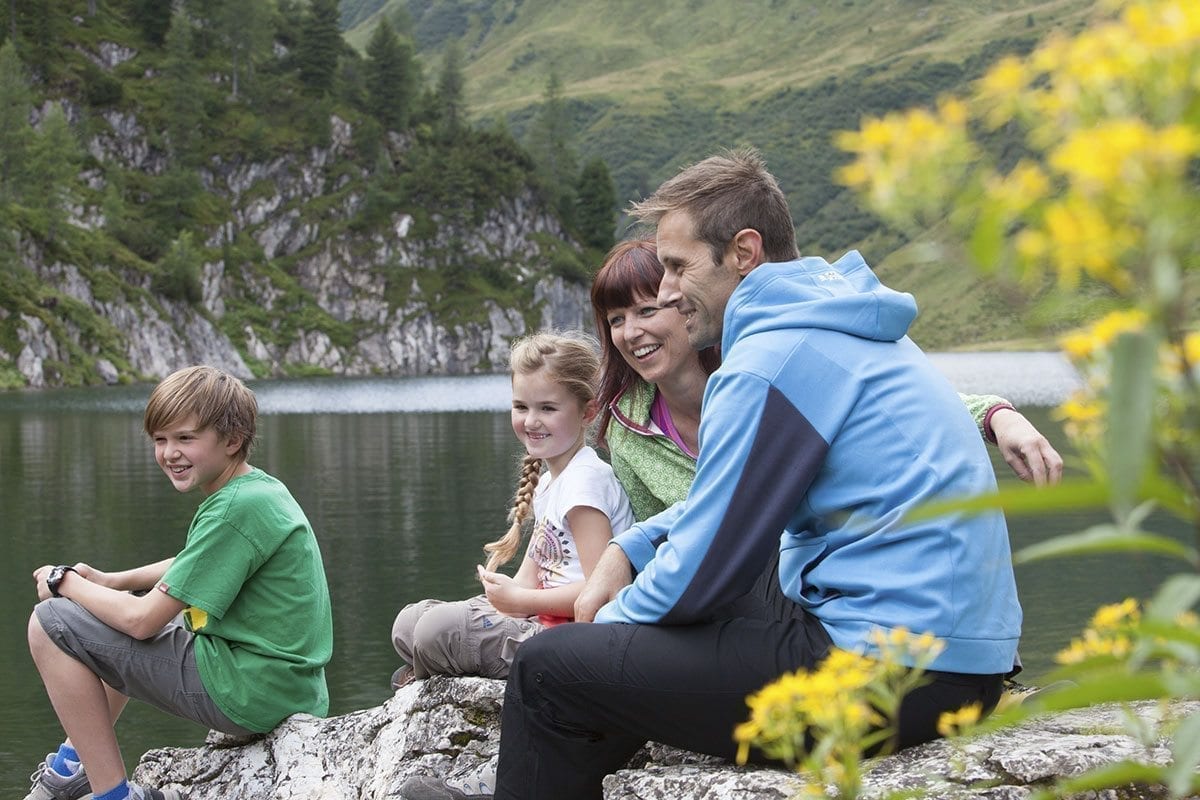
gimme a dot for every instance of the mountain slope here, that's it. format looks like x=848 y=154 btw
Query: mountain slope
x=651 y=87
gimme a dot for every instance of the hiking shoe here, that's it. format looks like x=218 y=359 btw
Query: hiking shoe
x=403 y=677
x=46 y=784
x=478 y=784
x=146 y=793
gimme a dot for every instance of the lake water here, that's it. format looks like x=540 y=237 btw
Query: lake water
x=403 y=480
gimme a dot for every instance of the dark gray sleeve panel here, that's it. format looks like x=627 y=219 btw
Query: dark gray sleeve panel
x=784 y=458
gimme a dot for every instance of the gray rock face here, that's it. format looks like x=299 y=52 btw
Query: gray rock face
x=369 y=328
x=442 y=726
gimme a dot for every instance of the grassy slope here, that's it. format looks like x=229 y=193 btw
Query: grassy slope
x=653 y=86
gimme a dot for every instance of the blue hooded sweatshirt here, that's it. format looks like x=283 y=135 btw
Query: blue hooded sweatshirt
x=823 y=428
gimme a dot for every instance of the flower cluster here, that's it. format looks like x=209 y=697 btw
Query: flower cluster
x=823 y=721
x=1110 y=134
x=1109 y=634
x=1099 y=212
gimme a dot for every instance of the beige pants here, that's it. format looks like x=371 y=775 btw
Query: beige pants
x=462 y=637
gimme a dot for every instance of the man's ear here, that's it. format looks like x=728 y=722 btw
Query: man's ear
x=747 y=250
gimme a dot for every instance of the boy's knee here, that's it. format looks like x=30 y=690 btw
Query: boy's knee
x=39 y=639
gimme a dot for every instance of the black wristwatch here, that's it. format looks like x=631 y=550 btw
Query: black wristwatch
x=56 y=577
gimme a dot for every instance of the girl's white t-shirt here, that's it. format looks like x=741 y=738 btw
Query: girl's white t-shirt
x=586 y=481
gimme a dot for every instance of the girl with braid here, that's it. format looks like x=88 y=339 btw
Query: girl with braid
x=573 y=500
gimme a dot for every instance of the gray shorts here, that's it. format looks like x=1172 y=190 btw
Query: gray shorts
x=160 y=670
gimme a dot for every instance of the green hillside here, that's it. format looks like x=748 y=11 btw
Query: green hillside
x=652 y=86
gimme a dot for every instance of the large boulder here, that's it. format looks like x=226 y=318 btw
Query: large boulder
x=446 y=725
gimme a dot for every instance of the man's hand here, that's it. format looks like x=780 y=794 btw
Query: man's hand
x=612 y=573
x=1025 y=449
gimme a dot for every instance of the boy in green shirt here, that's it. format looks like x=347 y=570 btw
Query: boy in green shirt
x=256 y=628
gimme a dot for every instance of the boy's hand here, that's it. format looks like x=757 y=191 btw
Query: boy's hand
x=502 y=592
x=39 y=581
x=92 y=574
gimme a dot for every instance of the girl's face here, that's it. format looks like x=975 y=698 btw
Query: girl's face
x=652 y=339
x=548 y=419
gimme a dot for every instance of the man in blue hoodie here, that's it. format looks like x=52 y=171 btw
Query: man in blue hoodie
x=823 y=428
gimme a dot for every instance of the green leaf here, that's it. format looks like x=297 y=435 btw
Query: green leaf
x=1177 y=594
x=1106 y=685
x=1130 y=416
x=1070 y=495
x=1110 y=776
x=1106 y=539
x=1185 y=748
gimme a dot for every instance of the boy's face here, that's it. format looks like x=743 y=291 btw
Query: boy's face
x=196 y=459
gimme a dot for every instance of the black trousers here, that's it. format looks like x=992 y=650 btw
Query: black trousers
x=582 y=698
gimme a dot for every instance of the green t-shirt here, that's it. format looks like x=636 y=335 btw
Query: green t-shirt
x=252 y=577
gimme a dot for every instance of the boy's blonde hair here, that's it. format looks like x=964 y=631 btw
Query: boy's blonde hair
x=215 y=398
x=572 y=360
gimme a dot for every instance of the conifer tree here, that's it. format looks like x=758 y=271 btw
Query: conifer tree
x=319 y=47
x=391 y=77
x=450 y=102
x=550 y=143
x=243 y=31
x=178 y=274
x=53 y=164
x=152 y=18
x=595 y=205
x=181 y=74
x=16 y=135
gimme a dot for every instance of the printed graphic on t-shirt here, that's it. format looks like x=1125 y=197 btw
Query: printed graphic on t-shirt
x=552 y=553
x=196 y=618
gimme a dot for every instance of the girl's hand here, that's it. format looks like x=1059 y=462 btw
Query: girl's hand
x=504 y=593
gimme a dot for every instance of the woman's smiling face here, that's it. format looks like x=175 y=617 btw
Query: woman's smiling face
x=651 y=339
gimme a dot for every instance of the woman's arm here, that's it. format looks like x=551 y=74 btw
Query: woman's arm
x=1023 y=446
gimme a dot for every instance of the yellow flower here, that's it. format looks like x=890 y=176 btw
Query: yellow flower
x=1115 y=615
x=1079 y=409
x=1079 y=345
x=1191 y=348
x=1018 y=190
x=1112 y=325
x=951 y=723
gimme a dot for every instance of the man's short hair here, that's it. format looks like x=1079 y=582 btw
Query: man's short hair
x=724 y=194
x=215 y=398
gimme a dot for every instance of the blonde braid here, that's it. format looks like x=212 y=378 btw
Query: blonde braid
x=503 y=549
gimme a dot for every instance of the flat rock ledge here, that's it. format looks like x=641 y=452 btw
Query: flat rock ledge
x=443 y=726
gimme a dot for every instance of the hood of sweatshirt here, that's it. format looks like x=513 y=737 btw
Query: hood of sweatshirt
x=844 y=296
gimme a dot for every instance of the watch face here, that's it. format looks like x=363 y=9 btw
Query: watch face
x=54 y=579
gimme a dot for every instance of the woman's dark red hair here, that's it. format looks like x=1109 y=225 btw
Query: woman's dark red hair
x=630 y=269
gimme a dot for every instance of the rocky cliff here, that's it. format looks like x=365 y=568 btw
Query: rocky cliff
x=444 y=725
x=289 y=284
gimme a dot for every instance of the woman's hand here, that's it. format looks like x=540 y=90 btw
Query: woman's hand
x=1026 y=450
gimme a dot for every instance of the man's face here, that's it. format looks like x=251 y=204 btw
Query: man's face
x=692 y=282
